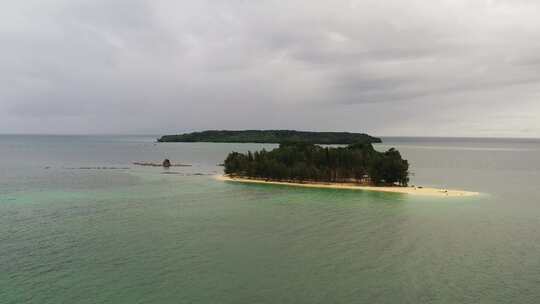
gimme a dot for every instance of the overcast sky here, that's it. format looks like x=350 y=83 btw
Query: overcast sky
x=386 y=67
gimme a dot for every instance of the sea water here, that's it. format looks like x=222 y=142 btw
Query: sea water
x=79 y=223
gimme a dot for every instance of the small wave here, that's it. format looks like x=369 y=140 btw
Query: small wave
x=186 y=174
x=97 y=168
x=458 y=148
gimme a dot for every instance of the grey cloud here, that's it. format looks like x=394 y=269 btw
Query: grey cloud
x=161 y=66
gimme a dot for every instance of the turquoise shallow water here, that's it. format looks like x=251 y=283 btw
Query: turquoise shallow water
x=136 y=235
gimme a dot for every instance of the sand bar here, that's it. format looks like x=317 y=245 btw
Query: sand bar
x=403 y=190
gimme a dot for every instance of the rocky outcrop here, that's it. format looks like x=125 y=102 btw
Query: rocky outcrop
x=166 y=163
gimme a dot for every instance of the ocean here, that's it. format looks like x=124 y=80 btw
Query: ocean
x=79 y=223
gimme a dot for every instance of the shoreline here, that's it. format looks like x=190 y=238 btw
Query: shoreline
x=401 y=190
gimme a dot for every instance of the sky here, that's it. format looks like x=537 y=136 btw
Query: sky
x=385 y=67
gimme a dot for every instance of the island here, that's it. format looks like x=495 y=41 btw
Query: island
x=272 y=136
x=356 y=166
x=358 y=163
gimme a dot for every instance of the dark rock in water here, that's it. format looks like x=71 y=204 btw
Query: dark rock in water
x=159 y=164
x=166 y=163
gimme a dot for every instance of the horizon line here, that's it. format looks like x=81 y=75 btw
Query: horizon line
x=382 y=136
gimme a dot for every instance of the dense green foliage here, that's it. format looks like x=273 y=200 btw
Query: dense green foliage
x=272 y=136
x=308 y=162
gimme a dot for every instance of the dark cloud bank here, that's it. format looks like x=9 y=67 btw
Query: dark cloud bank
x=450 y=68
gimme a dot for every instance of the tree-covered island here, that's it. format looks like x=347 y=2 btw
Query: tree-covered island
x=303 y=162
x=272 y=136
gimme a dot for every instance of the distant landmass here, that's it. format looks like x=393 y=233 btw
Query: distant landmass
x=272 y=136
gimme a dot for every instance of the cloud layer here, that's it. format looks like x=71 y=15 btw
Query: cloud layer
x=450 y=68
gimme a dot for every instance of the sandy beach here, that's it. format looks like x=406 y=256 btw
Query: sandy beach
x=403 y=190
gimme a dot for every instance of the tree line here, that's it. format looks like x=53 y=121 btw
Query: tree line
x=308 y=162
